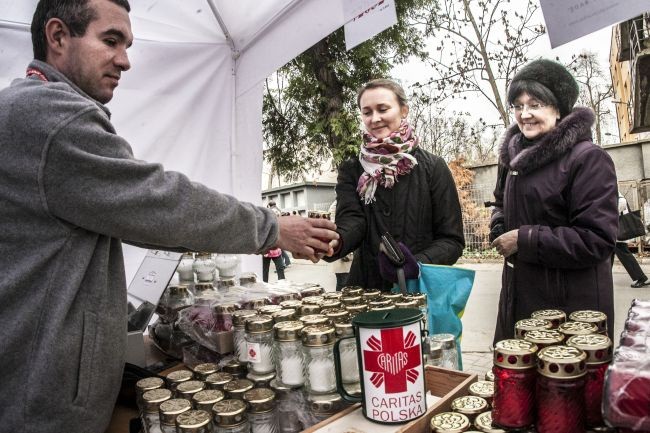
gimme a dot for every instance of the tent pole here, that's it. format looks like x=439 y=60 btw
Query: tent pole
x=268 y=24
x=223 y=27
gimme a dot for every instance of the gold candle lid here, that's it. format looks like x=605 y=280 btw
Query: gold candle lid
x=312 y=291
x=324 y=403
x=284 y=315
x=229 y=412
x=577 y=328
x=330 y=303
x=336 y=315
x=420 y=298
x=205 y=399
x=239 y=317
x=343 y=330
x=260 y=400
x=309 y=309
x=489 y=375
x=153 y=398
x=247 y=278
x=312 y=300
x=556 y=317
x=187 y=389
x=318 y=335
x=351 y=291
x=469 y=405
x=267 y=310
x=291 y=304
x=370 y=295
x=170 y=409
x=148 y=383
x=256 y=303
x=288 y=331
x=178 y=376
x=393 y=297
x=351 y=300
x=236 y=388
x=525 y=325
x=236 y=368
x=449 y=422
x=218 y=380
x=544 y=337
x=590 y=316
x=378 y=303
x=261 y=380
x=315 y=319
x=204 y=370
x=561 y=362
x=225 y=308
x=332 y=295
x=384 y=308
x=203 y=287
x=259 y=324
x=192 y=421
x=410 y=303
x=515 y=354
x=598 y=347
x=482 y=388
x=483 y=422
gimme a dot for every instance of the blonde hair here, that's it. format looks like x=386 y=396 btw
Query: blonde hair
x=387 y=84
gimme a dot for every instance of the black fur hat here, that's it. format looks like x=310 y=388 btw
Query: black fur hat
x=555 y=78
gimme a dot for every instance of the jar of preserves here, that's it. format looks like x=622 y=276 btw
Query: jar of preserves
x=218 y=380
x=596 y=317
x=544 y=338
x=239 y=333
x=176 y=377
x=449 y=422
x=262 y=413
x=470 y=406
x=259 y=344
x=556 y=317
x=483 y=389
x=169 y=410
x=144 y=385
x=525 y=325
x=194 y=421
x=449 y=350
x=151 y=401
x=288 y=353
x=599 y=354
x=572 y=328
x=513 y=405
x=188 y=389
x=318 y=348
x=205 y=399
x=560 y=390
x=483 y=423
x=236 y=388
x=229 y=416
x=202 y=371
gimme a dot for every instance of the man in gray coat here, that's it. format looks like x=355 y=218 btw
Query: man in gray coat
x=71 y=192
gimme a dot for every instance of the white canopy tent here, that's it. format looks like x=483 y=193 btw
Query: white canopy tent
x=193 y=97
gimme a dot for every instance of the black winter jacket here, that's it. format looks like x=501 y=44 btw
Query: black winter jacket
x=421 y=210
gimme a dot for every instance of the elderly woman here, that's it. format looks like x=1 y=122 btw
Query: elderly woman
x=397 y=187
x=555 y=219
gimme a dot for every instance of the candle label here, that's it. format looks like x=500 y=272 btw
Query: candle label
x=393 y=374
x=254 y=352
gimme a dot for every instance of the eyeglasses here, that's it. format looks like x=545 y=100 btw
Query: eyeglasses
x=532 y=108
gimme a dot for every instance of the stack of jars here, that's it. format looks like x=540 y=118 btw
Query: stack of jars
x=552 y=375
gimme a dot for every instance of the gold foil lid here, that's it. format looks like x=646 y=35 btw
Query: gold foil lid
x=483 y=422
x=207 y=398
x=515 y=354
x=577 y=328
x=186 y=389
x=293 y=304
x=522 y=326
x=318 y=335
x=325 y=403
x=355 y=309
x=561 y=362
x=218 y=379
x=352 y=291
x=351 y=300
x=380 y=303
x=284 y=315
x=545 y=337
x=598 y=347
x=330 y=303
x=204 y=370
x=411 y=303
x=235 y=368
x=590 y=316
x=170 y=409
x=311 y=291
x=192 y=421
x=482 y=388
x=259 y=324
x=469 y=405
x=178 y=376
x=449 y=422
x=309 y=309
x=224 y=308
x=229 y=412
x=268 y=309
x=149 y=383
x=393 y=297
x=239 y=317
x=247 y=278
x=236 y=388
x=260 y=400
x=420 y=298
x=261 y=380
x=312 y=300
x=370 y=295
x=556 y=317
x=315 y=319
x=332 y=295
x=153 y=398
x=336 y=315
x=382 y=308
x=202 y=287
x=288 y=331
x=343 y=329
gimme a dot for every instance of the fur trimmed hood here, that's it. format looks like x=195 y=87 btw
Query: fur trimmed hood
x=568 y=132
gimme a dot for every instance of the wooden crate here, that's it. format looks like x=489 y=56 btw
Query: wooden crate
x=442 y=383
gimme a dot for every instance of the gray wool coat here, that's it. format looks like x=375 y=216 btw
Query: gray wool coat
x=71 y=192
x=561 y=194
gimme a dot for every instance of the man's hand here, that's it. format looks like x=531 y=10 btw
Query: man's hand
x=506 y=244
x=308 y=238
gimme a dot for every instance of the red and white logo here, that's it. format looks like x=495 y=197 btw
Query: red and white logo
x=393 y=360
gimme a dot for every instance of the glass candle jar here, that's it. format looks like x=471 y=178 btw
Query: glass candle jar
x=378 y=303
x=556 y=317
x=284 y=315
x=483 y=389
x=596 y=317
x=259 y=344
x=370 y=295
x=599 y=354
x=544 y=338
x=571 y=328
x=229 y=416
x=449 y=422
x=239 y=333
x=513 y=405
x=194 y=421
x=525 y=325
x=176 y=377
x=292 y=304
x=392 y=297
x=188 y=389
x=290 y=402
x=406 y=303
x=151 y=401
x=261 y=380
x=312 y=300
x=144 y=385
x=174 y=299
x=267 y=310
x=323 y=406
x=204 y=400
x=336 y=315
x=204 y=267
x=218 y=380
x=202 y=371
x=330 y=303
x=352 y=300
x=308 y=310
x=236 y=388
x=318 y=348
x=237 y=369
x=348 y=352
x=288 y=354
x=169 y=410
x=315 y=319
x=351 y=291
x=470 y=406
x=355 y=309
x=483 y=423
x=184 y=269
x=449 y=351
x=262 y=413
x=560 y=390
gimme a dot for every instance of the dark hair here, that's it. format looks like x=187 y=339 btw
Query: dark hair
x=76 y=14
x=272 y=203
x=535 y=89
x=387 y=84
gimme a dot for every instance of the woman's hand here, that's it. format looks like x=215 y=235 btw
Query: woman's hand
x=506 y=244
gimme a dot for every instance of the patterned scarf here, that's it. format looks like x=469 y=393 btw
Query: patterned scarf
x=385 y=159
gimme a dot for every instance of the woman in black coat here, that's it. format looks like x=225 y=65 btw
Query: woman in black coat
x=397 y=187
x=555 y=220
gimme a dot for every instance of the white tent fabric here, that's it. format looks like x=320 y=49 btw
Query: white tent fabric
x=193 y=97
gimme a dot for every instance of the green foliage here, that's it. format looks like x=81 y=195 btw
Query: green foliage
x=310 y=109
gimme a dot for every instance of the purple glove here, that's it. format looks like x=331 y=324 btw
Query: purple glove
x=388 y=270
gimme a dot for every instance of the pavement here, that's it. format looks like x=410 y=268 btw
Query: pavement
x=480 y=314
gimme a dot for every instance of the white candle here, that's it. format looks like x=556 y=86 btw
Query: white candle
x=349 y=366
x=265 y=364
x=291 y=370
x=242 y=350
x=321 y=375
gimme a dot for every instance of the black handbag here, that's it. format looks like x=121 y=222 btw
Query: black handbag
x=630 y=225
